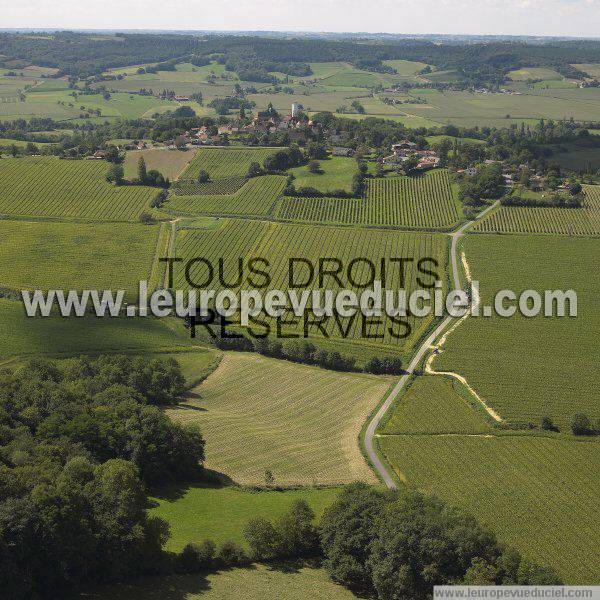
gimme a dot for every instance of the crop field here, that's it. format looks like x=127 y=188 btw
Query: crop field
x=278 y=242
x=541 y=220
x=51 y=187
x=405 y=67
x=313 y=99
x=256 y=197
x=220 y=513
x=56 y=336
x=170 y=163
x=528 y=367
x=435 y=405
x=592 y=69
x=335 y=174
x=300 y=422
x=534 y=73
x=222 y=163
x=540 y=494
x=50 y=255
x=257 y=582
x=426 y=202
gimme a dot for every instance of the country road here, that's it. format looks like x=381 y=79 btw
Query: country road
x=425 y=346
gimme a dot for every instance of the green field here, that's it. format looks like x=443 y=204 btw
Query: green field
x=527 y=367
x=534 y=73
x=256 y=197
x=222 y=163
x=405 y=67
x=301 y=422
x=278 y=242
x=435 y=405
x=335 y=173
x=581 y=160
x=424 y=202
x=257 y=582
x=541 y=220
x=540 y=494
x=51 y=187
x=220 y=513
x=592 y=69
x=170 y=163
x=49 y=255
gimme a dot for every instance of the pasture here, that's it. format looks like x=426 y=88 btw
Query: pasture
x=50 y=255
x=528 y=367
x=203 y=512
x=278 y=242
x=71 y=189
x=423 y=202
x=538 y=494
x=300 y=422
x=529 y=73
x=222 y=163
x=335 y=173
x=171 y=163
x=255 y=198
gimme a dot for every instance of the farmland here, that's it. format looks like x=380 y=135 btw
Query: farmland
x=278 y=242
x=220 y=513
x=50 y=187
x=545 y=362
x=534 y=73
x=334 y=173
x=49 y=255
x=541 y=220
x=222 y=163
x=256 y=197
x=426 y=202
x=170 y=163
x=537 y=493
x=301 y=422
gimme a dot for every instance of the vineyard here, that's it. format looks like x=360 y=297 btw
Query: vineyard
x=223 y=163
x=278 y=242
x=564 y=221
x=50 y=187
x=301 y=422
x=426 y=202
x=539 y=494
x=256 y=197
x=190 y=187
x=50 y=255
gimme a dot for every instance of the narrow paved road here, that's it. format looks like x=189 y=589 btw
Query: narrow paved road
x=370 y=433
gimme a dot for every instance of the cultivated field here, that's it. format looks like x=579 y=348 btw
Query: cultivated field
x=540 y=494
x=277 y=242
x=300 y=422
x=170 y=163
x=534 y=73
x=220 y=513
x=50 y=187
x=335 y=174
x=50 y=255
x=527 y=367
x=222 y=163
x=565 y=221
x=426 y=202
x=256 y=197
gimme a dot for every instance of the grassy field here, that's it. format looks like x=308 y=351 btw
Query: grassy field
x=435 y=405
x=542 y=220
x=56 y=336
x=405 y=67
x=527 y=367
x=222 y=163
x=592 y=69
x=277 y=242
x=170 y=163
x=534 y=73
x=50 y=255
x=301 y=422
x=537 y=493
x=581 y=160
x=255 y=198
x=51 y=187
x=426 y=202
x=220 y=513
x=335 y=174
x=257 y=582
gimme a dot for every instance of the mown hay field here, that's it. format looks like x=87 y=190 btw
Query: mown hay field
x=255 y=198
x=71 y=189
x=171 y=163
x=300 y=422
x=278 y=242
x=335 y=173
x=539 y=494
x=542 y=220
x=528 y=367
x=222 y=163
x=49 y=255
x=426 y=202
